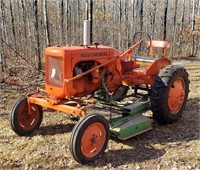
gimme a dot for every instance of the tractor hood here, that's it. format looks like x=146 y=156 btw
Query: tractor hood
x=61 y=61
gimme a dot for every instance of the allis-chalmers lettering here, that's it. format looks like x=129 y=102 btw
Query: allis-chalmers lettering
x=94 y=54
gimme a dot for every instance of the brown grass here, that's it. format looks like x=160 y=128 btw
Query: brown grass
x=175 y=146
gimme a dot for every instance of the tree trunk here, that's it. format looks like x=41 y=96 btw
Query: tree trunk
x=2 y=22
x=120 y=25
x=126 y=13
x=181 y=28
x=175 y=27
x=193 y=15
x=37 y=48
x=67 y=21
x=193 y=52
x=183 y=14
x=133 y=18
x=141 y=15
x=153 y=16
x=24 y=27
x=13 y=26
x=113 y=23
x=91 y=20
x=165 y=19
x=46 y=24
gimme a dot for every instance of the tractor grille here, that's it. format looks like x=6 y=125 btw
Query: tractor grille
x=55 y=71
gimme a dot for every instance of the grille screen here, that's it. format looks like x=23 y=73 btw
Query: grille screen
x=55 y=69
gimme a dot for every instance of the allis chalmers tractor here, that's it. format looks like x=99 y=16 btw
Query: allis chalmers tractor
x=92 y=82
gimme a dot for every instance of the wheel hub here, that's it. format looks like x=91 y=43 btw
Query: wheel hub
x=28 y=121
x=176 y=96
x=93 y=140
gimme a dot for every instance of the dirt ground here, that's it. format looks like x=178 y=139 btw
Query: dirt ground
x=175 y=146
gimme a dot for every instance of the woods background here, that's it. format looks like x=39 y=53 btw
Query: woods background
x=29 y=26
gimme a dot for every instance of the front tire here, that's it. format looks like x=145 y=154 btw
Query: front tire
x=89 y=138
x=22 y=122
x=169 y=94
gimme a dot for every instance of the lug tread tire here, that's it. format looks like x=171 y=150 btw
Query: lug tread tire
x=160 y=92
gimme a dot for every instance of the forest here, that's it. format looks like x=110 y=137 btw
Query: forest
x=29 y=26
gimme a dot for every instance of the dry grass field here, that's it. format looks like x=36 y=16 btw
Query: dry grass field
x=175 y=146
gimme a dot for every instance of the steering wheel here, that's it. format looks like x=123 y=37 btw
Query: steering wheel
x=143 y=48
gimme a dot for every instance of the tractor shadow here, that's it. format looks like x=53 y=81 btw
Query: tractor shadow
x=131 y=151
x=54 y=129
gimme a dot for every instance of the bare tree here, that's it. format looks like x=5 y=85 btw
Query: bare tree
x=28 y=26
x=46 y=24
x=37 y=48
x=141 y=14
x=174 y=26
x=2 y=30
x=193 y=52
x=165 y=19
x=153 y=16
x=13 y=25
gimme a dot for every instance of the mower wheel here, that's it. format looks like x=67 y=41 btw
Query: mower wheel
x=89 y=138
x=22 y=122
x=169 y=94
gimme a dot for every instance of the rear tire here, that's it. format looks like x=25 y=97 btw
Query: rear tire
x=89 y=138
x=169 y=94
x=23 y=123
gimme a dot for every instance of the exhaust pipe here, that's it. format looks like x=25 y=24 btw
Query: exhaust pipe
x=87 y=25
x=86 y=33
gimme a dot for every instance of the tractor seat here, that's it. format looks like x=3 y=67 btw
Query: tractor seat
x=139 y=72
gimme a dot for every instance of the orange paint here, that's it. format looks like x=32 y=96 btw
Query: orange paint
x=93 y=140
x=74 y=72
x=176 y=96
x=158 y=44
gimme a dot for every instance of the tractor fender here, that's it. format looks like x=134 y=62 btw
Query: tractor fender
x=157 y=65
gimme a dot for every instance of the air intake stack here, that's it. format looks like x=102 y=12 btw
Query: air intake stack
x=87 y=25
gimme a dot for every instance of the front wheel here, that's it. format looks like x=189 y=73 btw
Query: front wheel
x=169 y=94
x=89 y=138
x=21 y=121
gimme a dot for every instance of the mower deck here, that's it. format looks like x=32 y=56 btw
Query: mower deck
x=132 y=122
x=126 y=121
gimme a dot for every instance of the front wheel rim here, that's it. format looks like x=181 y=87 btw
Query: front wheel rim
x=176 y=96
x=93 y=140
x=28 y=121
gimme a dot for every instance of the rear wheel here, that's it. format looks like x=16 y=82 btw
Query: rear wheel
x=89 y=138
x=169 y=94
x=120 y=93
x=21 y=121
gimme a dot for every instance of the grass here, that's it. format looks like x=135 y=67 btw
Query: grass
x=174 y=146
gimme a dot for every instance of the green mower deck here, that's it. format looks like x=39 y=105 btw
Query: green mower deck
x=126 y=121
x=132 y=122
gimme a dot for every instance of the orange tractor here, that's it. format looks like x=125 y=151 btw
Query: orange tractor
x=81 y=80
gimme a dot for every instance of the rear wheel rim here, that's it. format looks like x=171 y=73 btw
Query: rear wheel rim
x=28 y=121
x=176 y=96
x=93 y=140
